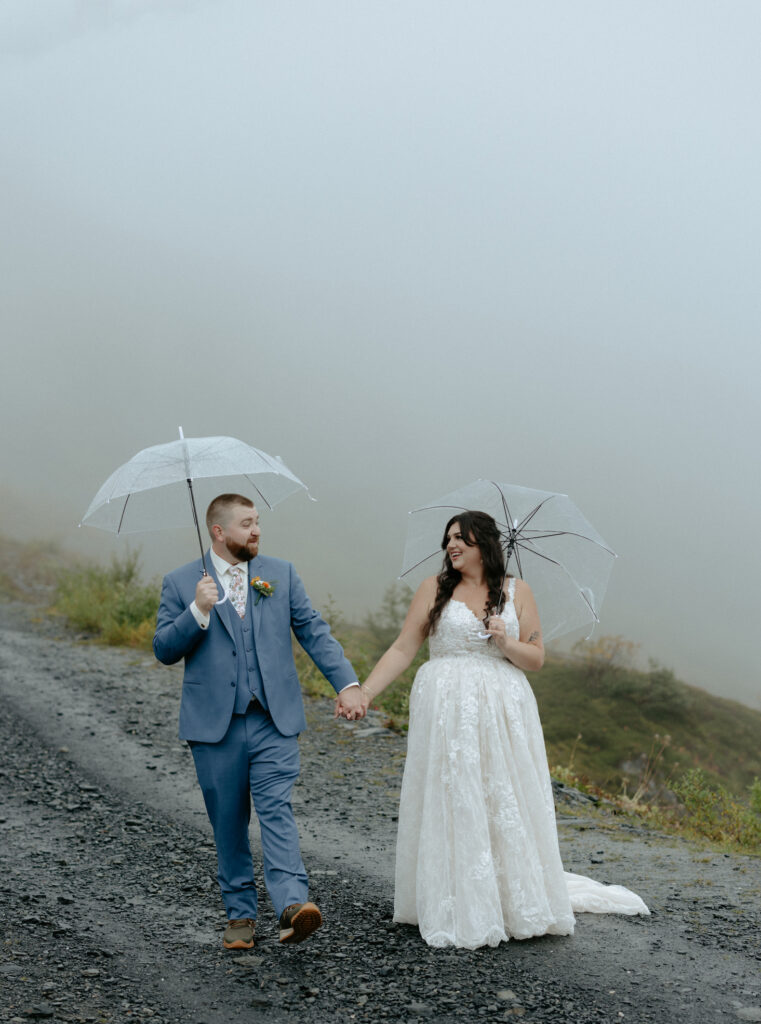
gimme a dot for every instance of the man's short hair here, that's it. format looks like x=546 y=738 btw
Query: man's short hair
x=218 y=512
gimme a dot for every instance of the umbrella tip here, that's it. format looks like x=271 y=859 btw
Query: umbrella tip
x=182 y=436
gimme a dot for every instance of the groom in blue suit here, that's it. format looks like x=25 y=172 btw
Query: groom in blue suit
x=241 y=709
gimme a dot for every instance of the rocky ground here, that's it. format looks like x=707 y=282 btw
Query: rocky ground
x=111 y=913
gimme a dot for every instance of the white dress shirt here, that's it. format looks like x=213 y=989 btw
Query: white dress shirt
x=223 y=569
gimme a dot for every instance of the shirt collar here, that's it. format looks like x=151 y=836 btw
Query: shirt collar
x=222 y=567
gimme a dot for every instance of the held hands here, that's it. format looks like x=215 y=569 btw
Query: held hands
x=207 y=594
x=351 y=704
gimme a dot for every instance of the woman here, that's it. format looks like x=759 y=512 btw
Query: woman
x=477 y=858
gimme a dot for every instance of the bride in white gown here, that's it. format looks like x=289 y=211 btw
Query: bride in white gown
x=477 y=858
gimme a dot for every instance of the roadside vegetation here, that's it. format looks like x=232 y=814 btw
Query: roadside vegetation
x=640 y=741
x=110 y=604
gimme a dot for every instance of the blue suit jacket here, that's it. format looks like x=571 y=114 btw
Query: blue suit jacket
x=210 y=666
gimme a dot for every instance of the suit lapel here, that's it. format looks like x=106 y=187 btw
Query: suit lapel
x=255 y=569
x=223 y=607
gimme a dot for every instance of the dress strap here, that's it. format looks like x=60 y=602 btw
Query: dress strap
x=511 y=589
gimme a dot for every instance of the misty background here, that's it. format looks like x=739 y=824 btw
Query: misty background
x=402 y=245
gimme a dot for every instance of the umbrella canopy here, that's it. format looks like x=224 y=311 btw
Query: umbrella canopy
x=153 y=490
x=547 y=542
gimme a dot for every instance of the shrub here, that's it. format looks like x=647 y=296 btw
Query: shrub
x=385 y=624
x=363 y=646
x=755 y=795
x=605 y=656
x=111 y=604
x=711 y=811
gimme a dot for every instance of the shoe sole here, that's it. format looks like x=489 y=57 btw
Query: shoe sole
x=307 y=920
x=238 y=944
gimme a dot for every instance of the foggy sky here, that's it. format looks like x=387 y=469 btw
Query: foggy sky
x=403 y=246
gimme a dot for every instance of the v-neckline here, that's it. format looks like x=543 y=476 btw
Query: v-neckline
x=466 y=605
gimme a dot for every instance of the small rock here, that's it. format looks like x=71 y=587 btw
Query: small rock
x=249 y=960
x=40 y=1010
x=420 y=1008
x=749 y=1013
x=507 y=995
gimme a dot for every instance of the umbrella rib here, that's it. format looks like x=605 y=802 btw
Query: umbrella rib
x=121 y=517
x=518 y=561
x=536 y=535
x=429 y=508
x=406 y=571
x=258 y=491
x=540 y=554
x=505 y=507
x=530 y=515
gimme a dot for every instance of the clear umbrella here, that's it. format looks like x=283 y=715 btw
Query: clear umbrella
x=152 y=490
x=546 y=539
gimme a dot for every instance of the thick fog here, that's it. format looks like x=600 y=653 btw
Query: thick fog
x=402 y=245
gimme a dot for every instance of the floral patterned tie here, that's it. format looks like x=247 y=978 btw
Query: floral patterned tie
x=237 y=593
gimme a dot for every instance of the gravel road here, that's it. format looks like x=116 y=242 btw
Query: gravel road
x=111 y=912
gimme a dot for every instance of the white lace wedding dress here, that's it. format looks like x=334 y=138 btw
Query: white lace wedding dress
x=477 y=858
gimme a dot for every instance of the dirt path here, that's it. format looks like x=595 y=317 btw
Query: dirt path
x=111 y=913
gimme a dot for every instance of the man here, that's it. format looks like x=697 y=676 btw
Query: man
x=241 y=709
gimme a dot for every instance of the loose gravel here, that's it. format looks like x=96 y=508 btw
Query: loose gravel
x=111 y=911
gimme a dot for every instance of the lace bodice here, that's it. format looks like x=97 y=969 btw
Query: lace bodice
x=457 y=630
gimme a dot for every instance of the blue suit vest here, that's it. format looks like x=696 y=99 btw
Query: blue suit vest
x=249 y=682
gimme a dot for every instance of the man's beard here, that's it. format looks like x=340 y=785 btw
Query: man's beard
x=242 y=552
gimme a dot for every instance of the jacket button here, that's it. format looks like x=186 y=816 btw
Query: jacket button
x=235 y=654
x=232 y=683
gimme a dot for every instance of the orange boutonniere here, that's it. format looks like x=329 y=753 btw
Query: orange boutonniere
x=263 y=588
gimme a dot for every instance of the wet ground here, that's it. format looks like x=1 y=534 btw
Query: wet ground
x=111 y=912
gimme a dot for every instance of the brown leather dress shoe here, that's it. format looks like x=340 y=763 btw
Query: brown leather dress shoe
x=239 y=934
x=298 y=921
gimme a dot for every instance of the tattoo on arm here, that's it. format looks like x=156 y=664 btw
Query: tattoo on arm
x=534 y=636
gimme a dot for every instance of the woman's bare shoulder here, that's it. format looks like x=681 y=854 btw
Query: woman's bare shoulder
x=521 y=587
x=427 y=589
x=522 y=590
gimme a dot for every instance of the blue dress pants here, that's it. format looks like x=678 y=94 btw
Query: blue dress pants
x=253 y=760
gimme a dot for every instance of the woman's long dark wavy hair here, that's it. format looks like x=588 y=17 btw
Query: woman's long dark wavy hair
x=478 y=530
